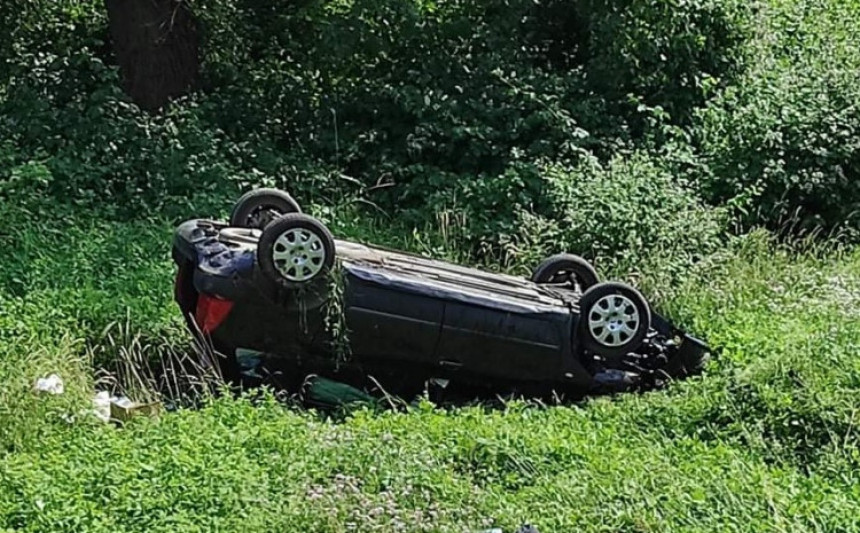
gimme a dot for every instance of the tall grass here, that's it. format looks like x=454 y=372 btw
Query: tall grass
x=764 y=441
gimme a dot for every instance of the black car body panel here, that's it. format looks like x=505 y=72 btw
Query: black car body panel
x=404 y=313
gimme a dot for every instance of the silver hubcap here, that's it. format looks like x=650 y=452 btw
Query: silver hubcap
x=299 y=254
x=613 y=320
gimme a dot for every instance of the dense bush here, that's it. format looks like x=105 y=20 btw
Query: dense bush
x=419 y=102
x=62 y=110
x=661 y=54
x=422 y=96
x=100 y=150
x=415 y=96
x=414 y=100
x=789 y=128
x=633 y=209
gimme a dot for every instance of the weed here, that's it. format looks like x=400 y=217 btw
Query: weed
x=335 y=313
x=147 y=371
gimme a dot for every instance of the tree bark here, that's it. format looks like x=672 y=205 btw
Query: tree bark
x=157 y=48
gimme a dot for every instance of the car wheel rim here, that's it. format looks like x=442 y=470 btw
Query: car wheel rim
x=613 y=320
x=299 y=254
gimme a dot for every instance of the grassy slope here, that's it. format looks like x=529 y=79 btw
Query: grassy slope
x=764 y=442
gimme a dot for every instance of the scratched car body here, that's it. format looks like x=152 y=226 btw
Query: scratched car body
x=263 y=283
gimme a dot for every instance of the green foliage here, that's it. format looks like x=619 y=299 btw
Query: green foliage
x=631 y=213
x=61 y=109
x=498 y=132
x=424 y=97
x=636 y=212
x=790 y=379
x=414 y=100
x=100 y=151
x=788 y=128
x=335 y=314
x=85 y=271
x=418 y=97
x=671 y=56
x=762 y=442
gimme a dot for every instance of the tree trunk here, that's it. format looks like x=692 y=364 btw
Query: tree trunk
x=156 y=46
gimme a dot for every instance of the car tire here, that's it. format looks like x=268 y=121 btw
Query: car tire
x=563 y=267
x=295 y=250
x=614 y=319
x=257 y=208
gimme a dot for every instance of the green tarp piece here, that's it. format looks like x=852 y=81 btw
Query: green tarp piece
x=333 y=394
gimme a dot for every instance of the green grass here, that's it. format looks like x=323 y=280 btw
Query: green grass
x=498 y=173
x=764 y=441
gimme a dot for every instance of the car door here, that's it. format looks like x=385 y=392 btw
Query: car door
x=389 y=319
x=504 y=340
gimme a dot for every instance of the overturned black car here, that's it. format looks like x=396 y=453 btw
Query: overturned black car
x=273 y=281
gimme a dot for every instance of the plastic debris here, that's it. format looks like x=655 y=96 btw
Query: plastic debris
x=249 y=362
x=123 y=409
x=120 y=408
x=328 y=393
x=101 y=405
x=52 y=384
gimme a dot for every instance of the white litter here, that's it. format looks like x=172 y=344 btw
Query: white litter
x=123 y=402
x=52 y=384
x=101 y=405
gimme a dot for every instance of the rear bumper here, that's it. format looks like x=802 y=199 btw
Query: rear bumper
x=215 y=268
